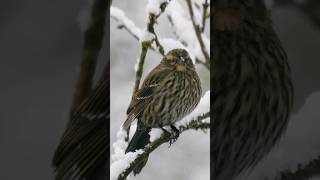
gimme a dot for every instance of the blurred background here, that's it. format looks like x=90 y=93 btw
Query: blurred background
x=40 y=53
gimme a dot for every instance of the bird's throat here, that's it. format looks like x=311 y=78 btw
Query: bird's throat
x=181 y=67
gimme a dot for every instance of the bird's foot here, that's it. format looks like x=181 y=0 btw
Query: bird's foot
x=174 y=134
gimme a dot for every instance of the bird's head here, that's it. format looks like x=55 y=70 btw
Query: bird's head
x=178 y=59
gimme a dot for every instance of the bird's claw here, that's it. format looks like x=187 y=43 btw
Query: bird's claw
x=174 y=134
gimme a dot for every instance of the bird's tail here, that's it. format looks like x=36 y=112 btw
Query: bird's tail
x=139 y=140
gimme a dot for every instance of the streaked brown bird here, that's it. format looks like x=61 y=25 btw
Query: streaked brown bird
x=169 y=92
x=83 y=151
x=251 y=85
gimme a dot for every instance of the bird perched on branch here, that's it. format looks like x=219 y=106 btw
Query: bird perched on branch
x=251 y=84
x=83 y=150
x=169 y=92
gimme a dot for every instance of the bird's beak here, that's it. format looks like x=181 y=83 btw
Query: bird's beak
x=181 y=61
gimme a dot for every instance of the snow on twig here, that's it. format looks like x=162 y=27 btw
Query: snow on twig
x=183 y=27
x=126 y=23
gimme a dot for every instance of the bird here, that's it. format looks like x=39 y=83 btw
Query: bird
x=83 y=150
x=169 y=92
x=252 y=90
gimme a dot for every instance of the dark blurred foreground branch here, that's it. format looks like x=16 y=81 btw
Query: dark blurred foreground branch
x=304 y=172
x=82 y=151
x=195 y=124
x=93 y=39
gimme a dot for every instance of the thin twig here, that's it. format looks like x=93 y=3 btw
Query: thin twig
x=145 y=45
x=197 y=60
x=150 y=28
x=204 y=15
x=144 y=50
x=195 y=124
x=122 y=26
x=199 y=35
x=126 y=28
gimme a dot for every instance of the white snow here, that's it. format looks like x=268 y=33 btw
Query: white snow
x=146 y=36
x=122 y=19
x=153 y=6
x=183 y=28
x=169 y=44
x=121 y=161
x=155 y=134
x=120 y=145
x=117 y=167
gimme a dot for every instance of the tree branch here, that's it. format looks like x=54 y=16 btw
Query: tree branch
x=125 y=23
x=195 y=124
x=197 y=60
x=204 y=14
x=146 y=44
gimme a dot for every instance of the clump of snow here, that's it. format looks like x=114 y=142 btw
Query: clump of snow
x=153 y=6
x=122 y=19
x=155 y=134
x=146 y=36
x=117 y=167
x=121 y=160
x=202 y=108
x=120 y=145
x=169 y=44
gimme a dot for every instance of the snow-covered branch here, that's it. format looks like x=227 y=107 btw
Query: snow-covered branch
x=199 y=35
x=123 y=164
x=307 y=171
x=126 y=23
x=182 y=27
x=154 y=9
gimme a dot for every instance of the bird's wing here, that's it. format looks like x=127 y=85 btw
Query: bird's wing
x=83 y=146
x=144 y=95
